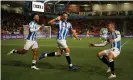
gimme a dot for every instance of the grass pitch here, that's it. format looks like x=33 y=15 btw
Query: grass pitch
x=17 y=67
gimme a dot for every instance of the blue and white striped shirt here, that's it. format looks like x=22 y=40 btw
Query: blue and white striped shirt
x=63 y=29
x=116 y=36
x=33 y=28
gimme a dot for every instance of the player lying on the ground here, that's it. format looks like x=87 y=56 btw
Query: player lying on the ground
x=63 y=29
x=30 y=41
x=108 y=56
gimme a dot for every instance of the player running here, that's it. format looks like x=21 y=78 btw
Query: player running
x=63 y=29
x=103 y=34
x=108 y=56
x=30 y=41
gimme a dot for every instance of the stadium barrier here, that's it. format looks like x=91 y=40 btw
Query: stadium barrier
x=12 y=36
x=21 y=36
x=128 y=36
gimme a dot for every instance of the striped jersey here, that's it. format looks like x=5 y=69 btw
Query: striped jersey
x=32 y=31
x=63 y=29
x=115 y=35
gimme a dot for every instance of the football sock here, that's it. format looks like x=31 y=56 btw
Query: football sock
x=33 y=62
x=111 y=65
x=68 y=59
x=51 y=54
x=104 y=60
x=15 y=51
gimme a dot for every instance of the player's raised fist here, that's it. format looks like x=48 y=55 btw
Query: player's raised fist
x=40 y=28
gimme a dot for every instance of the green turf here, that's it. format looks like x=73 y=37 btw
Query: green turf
x=17 y=67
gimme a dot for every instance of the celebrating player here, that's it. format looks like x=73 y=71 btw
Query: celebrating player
x=103 y=34
x=63 y=29
x=31 y=41
x=107 y=56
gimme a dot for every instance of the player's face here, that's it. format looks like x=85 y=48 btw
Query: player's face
x=36 y=18
x=110 y=27
x=64 y=17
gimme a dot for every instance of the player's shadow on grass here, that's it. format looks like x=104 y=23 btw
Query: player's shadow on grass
x=44 y=65
x=93 y=70
x=15 y=63
x=41 y=65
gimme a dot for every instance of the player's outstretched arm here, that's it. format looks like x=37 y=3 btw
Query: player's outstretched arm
x=51 y=22
x=74 y=34
x=99 y=45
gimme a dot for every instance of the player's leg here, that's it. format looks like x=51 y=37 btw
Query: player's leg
x=60 y=51
x=18 y=51
x=68 y=58
x=67 y=51
x=35 y=54
x=51 y=54
x=111 y=65
x=62 y=45
x=22 y=51
x=114 y=52
x=57 y=53
x=101 y=55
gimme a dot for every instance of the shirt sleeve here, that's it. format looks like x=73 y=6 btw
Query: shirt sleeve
x=56 y=23
x=70 y=26
x=118 y=36
x=31 y=26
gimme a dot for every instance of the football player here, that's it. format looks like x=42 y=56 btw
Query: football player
x=31 y=41
x=63 y=29
x=108 y=56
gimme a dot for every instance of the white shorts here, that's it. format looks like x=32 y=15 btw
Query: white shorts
x=87 y=35
x=114 y=51
x=62 y=43
x=29 y=44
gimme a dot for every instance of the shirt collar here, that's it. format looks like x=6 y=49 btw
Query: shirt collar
x=64 y=21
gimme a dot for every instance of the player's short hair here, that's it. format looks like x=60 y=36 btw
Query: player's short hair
x=33 y=15
x=111 y=23
x=64 y=13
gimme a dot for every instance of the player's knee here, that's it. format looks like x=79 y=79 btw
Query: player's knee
x=35 y=50
x=110 y=56
x=67 y=50
x=98 y=54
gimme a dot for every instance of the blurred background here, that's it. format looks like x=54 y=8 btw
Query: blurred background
x=83 y=15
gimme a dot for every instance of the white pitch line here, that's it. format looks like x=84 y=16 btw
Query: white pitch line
x=124 y=43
